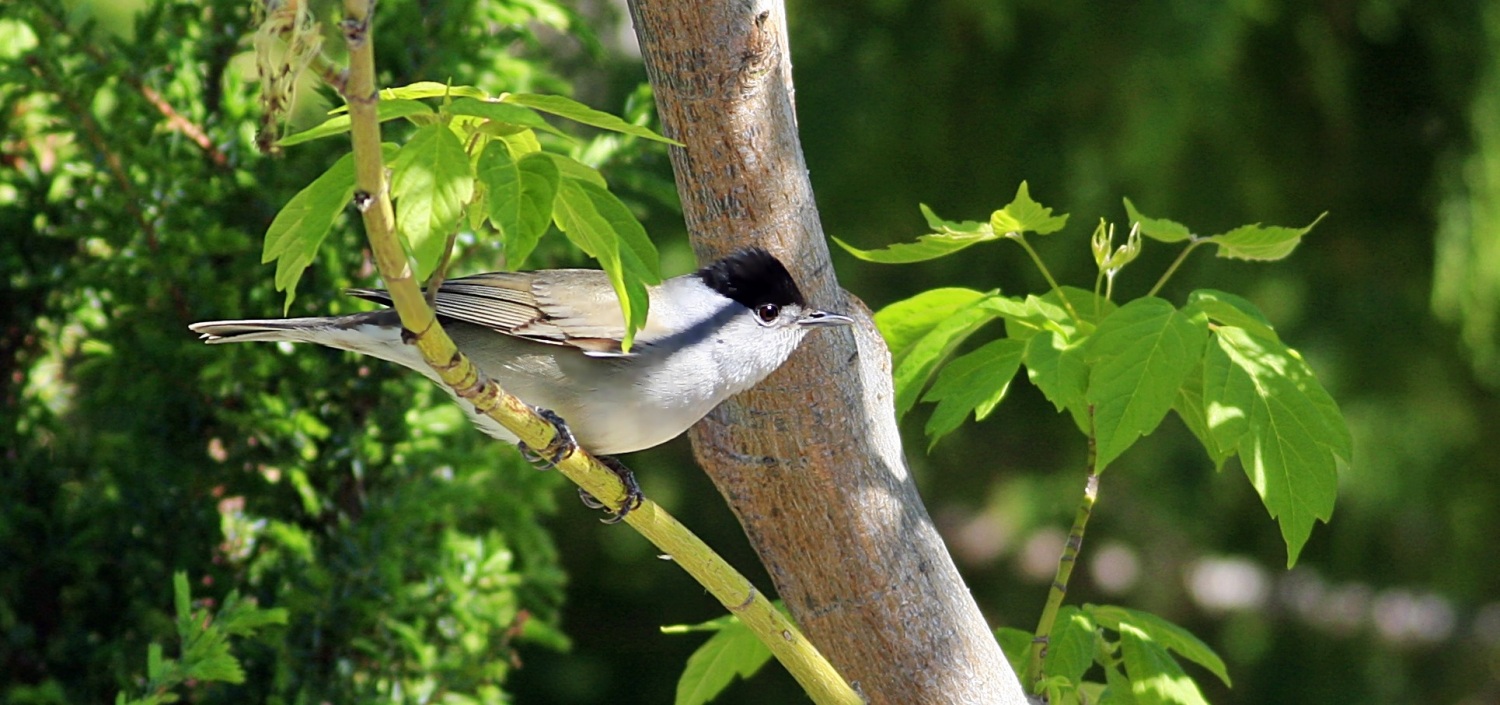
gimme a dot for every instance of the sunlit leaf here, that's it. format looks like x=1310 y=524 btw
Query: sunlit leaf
x=595 y=221
x=1139 y=357
x=931 y=246
x=905 y=322
x=1025 y=215
x=1263 y=400
x=1157 y=228
x=952 y=226
x=519 y=196
x=924 y=353
x=296 y=232
x=431 y=180
x=1261 y=242
x=1155 y=678
x=506 y=113
x=578 y=112
x=1070 y=648
x=339 y=124
x=1230 y=310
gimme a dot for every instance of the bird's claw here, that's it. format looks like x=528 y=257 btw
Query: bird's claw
x=633 y=495
x=563 y=443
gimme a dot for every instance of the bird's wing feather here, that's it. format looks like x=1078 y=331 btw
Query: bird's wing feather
x=534 y=306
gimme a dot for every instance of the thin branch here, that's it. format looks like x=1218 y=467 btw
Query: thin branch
x=1018 y=237
x=727 y=585
x=1181 y=257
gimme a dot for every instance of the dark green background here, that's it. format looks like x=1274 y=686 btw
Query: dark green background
x=123 y=436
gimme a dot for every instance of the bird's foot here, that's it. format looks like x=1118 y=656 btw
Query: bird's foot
x=563 y=443
x=633 y=495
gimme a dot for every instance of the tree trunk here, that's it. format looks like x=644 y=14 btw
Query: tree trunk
x=810 y=461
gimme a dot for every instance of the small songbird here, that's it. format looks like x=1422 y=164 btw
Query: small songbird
x=553 y=339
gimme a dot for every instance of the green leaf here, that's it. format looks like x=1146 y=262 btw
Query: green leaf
x=431 y=180
x=339 y=124
x=974 y=382
x=1263 y=400
x=1070 y=648
x=1261 y=242
x=1158 y=229
x=505 y=113
x=573 y=169
x=1016 y=645
x=601 y=226
x=733 y=652
x=1140 y=356
x=924 y=354
x=1230 y=310
x=952 y=226
x=430 y=89
x=182 y=598
x=1057 y=368
x=297 y=231
x=905 y=322
x=1155 y=679
x=520 y=197
x=1162 y=632
x=712 y=625
x=155 y=664
x=1025 y=215
x=1189 y=407
x=926 y=247
x=578 y=112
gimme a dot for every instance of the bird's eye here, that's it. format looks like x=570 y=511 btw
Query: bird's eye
x=767 y=312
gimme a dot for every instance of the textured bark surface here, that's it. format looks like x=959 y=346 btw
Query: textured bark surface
x=810 y=461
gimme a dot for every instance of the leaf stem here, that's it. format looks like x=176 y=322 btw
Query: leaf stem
x=1065 y=565
x=1181 y=257
x=1047 y=273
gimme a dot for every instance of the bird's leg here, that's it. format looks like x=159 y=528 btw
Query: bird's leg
x=562 y=445
x=633 y=496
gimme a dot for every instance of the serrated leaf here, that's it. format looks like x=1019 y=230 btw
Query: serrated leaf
x=1230 y=310
x=505 y=113
x=1070 y=647
x=1261 y=242
x=1057 y=368
x=431 y=180
x=1155 y=678
x=1162 y=632
x=520 y=195
x=1025 y=215
x=905 y=322
x=931 y=246
x=1158 y=228
x=601 y=226
x=924 y=354
x=1262 y=400
x=952 y=226
x=1016 y=645
x=974 y=382
x=339 y=124
x=1139 y=357
x=578 y=112
x=733 y=652
x=294 y=236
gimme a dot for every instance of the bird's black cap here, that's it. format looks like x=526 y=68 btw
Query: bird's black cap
x=752 y=277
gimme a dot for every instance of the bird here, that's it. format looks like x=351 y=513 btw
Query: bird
x=554 y=338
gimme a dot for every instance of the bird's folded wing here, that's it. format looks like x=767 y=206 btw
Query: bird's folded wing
x=533 y=305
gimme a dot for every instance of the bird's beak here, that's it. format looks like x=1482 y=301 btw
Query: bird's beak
x=820 y=319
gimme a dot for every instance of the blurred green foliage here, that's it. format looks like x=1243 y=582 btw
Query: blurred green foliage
x=418 y=561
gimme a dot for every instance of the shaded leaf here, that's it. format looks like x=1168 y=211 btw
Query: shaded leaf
x=974 y=382
x=1155 y=678
x=1189 y=407
x=1139 y=356
x=1057 y=368
x=1261 y=242
x=1263 y=400
x=431 y=180
x=1070 y=647
x=1025 y=215
x=1164 y=633
x=924 y=354
x=578 y=112
x=520 y=195
x=1157 y=228
x=732 y=652
x=601 y=226
x=1016 y=644
x=1230 y=310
